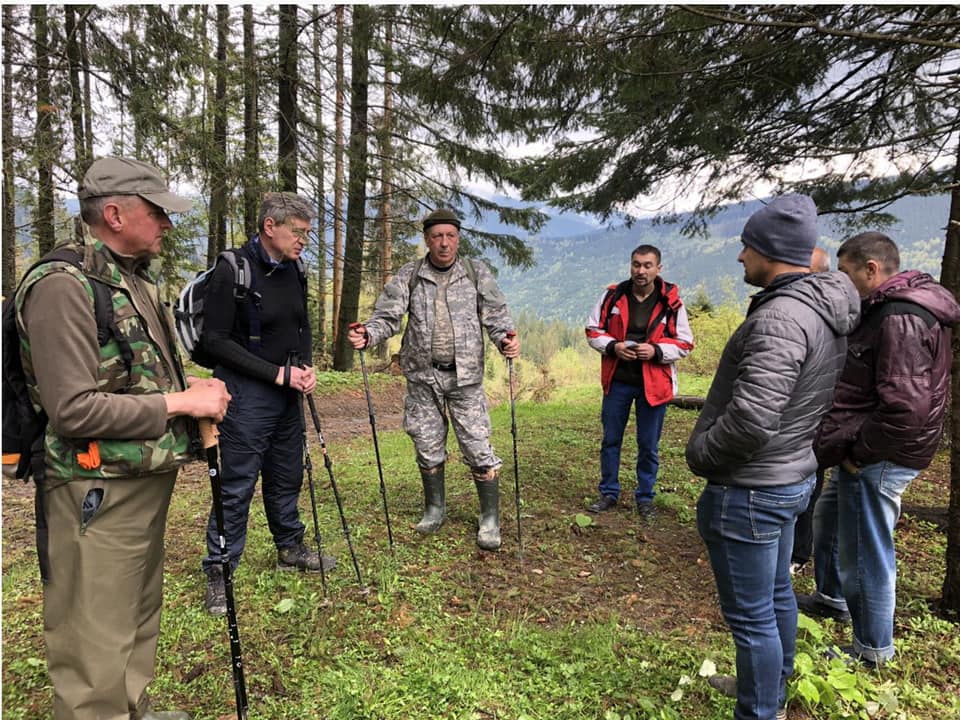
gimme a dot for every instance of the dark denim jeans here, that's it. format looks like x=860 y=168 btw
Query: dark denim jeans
x=262 y=434
x=853 y=540
x=614 y=413
x=749 y=537
x=826 y=548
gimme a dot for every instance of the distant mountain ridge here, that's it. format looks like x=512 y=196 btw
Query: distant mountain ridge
x=572 y=270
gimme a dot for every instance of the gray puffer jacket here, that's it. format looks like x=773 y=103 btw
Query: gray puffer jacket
x=775 y=380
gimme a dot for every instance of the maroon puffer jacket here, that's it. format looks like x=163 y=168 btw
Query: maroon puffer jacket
x=890 y=400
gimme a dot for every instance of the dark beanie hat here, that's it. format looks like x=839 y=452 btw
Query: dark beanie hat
x=784 y=230
x=441 y=216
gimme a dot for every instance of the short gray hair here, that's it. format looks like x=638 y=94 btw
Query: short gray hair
x=281 y=206
x=91 y=208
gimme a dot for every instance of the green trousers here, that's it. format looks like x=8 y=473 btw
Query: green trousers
x=101 y=607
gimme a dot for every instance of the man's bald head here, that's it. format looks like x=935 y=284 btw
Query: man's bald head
x=819 y=260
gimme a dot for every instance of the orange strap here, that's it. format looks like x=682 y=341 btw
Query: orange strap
x=11 y=458
x=90 y=460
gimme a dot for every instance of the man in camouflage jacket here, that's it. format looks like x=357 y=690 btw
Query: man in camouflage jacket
x=114 y=442
x=449 y=301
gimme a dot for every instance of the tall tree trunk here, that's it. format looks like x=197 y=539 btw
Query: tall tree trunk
x=950 y=277
x=320 y=336
x=357 y=191
x=251 y=123
x=287 y=99
x=338 y=176
x=43 y=137
x=73 y=31
x=87 y=106
x=133 y=36
x=9 y=231
x=386 y=161
x=217 y=159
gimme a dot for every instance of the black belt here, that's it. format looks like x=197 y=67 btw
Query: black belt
x=447 y=367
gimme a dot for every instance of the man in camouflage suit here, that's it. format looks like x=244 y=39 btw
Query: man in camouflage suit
x=114 y=442
x=449 y=300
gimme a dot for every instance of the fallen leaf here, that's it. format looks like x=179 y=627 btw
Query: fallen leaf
x=708 y=668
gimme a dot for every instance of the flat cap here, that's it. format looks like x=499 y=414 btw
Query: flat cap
x=441 y=216
x=126 y=176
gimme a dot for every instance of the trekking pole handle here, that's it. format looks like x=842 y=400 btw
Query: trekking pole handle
x=208 y=433
x=366 y=335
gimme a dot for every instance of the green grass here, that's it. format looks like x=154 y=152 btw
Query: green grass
x=444 y=631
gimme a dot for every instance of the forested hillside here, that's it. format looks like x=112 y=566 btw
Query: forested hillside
x=570 y=272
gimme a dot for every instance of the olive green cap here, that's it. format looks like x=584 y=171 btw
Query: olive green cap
x=441 y=216
x=126 y=176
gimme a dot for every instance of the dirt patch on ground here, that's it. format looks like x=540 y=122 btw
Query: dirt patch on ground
x=344 y=415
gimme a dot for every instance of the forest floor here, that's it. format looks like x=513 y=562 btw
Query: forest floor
x=653 y=576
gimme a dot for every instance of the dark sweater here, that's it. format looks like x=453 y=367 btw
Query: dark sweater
x=284 y=326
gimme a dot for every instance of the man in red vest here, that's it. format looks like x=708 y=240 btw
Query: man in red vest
x=640 y=328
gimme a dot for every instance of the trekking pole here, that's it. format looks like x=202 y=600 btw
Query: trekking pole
x=308 y=466
x=208 y=434
x=376 y=445
x=294 y=359
x=516 y=465
x=333 y=483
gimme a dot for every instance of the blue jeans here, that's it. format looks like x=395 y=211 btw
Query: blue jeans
x=826 y=547
x=262 y=434
x=749 y=537
x=860 y=564
x=614 y=413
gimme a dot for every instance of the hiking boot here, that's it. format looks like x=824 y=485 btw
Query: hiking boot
x=849 y=656
x=727 y=685
x=215 y=600
x=488 y=534
x=434 y=504
x=603 y=504
x=814 y=607
x=646 y=511
x=300 y=557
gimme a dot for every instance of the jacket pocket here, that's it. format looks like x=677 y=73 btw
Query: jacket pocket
x=90 y=505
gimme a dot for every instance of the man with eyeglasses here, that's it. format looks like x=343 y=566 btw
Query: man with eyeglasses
x=262 y=345
x=449 y=300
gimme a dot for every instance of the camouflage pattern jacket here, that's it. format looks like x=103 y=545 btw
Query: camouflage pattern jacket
x=470 y=315
x=91 y=398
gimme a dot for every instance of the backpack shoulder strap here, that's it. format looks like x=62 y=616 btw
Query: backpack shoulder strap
x=107 y=323
x=904 y=307
x=242 y=275
x=614 y=293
